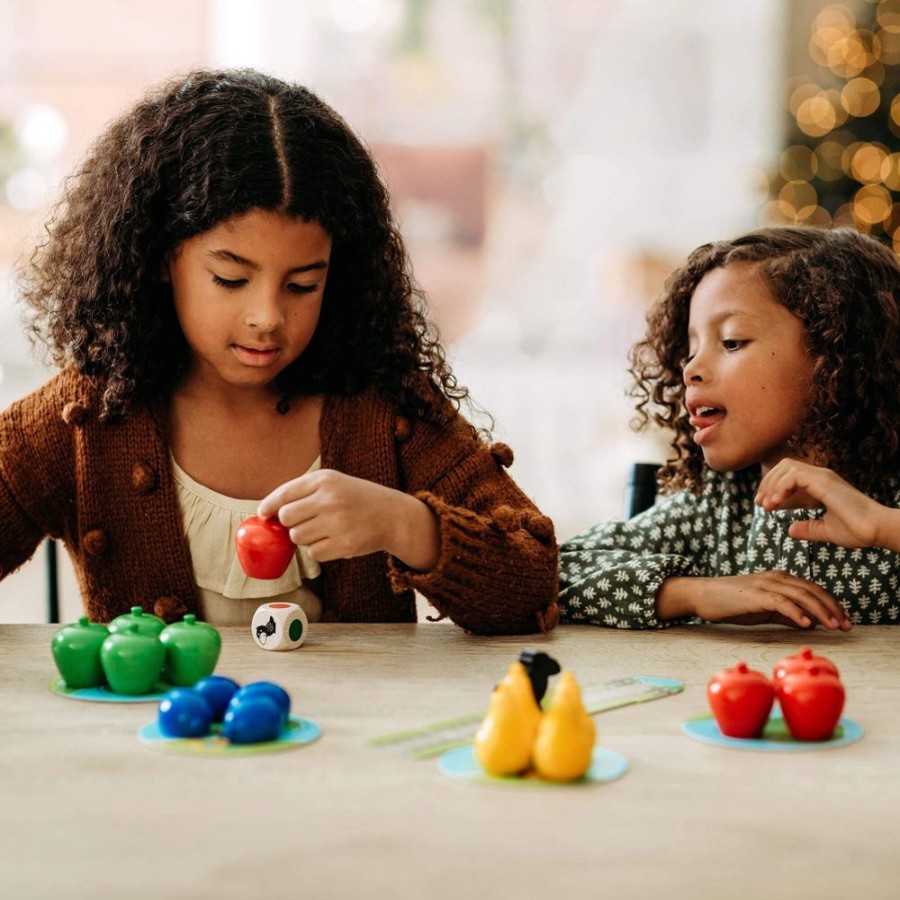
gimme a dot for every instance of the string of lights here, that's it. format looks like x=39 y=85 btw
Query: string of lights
x=841 y=165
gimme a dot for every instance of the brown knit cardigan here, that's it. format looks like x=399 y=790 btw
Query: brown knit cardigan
x=106 y=489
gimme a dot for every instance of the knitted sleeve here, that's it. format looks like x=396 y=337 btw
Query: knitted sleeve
x=610 y=574
x=32 y=490
x=497 y=571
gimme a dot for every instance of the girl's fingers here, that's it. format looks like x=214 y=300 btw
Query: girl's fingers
x=812 y=602
x=289 y=492
x=809 y=530
x=298 y=512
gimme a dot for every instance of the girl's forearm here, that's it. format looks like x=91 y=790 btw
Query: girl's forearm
x=887 y=529
x=676 y=598
x=415 y=536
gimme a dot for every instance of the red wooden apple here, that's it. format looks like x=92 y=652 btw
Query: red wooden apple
x=264 y=547
x=799 y=662
x=811 y=701
x=741 y=700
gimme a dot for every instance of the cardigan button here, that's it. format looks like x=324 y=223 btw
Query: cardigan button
x=540 y=527
x=548 y=619
x=169 y=608
x=402 y=429
x=95 y=542
x=144 y=478
x=74 y=413
x=506 y=518
x=502 y=453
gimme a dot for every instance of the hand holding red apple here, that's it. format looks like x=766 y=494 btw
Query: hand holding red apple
x=264 y=547
x=338 y=516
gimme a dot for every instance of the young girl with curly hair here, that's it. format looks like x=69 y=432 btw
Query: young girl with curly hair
x=229 y=299
x=774 y=360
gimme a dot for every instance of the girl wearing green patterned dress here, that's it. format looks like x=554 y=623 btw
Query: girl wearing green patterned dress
x=774 y=361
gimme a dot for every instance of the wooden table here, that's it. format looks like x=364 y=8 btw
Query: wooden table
x=87 y=811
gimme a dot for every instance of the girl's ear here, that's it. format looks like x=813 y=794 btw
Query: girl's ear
x=165 y=276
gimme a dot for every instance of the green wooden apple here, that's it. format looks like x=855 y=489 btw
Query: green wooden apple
x=192 y=650
x=132 y=662
x=146 y=622
x=76 y=651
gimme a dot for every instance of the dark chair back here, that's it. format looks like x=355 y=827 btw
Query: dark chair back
x=52 y=581
x=640 y=490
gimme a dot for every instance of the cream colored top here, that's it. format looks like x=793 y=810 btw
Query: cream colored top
x=228 y=596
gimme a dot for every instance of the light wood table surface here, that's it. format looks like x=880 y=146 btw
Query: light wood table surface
x=87 y=811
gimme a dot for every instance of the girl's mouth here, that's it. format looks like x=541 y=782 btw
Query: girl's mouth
x=255 y=356
x=705 y=420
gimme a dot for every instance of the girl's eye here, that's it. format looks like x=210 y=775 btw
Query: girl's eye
x=230 y=285
x=731 y=346
x=302 y=288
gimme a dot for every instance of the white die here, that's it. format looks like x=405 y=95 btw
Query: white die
x=279 y=626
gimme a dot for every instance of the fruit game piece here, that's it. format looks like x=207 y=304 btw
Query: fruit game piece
x=279 y=626
x=264 y=547
x=217 y=690
x=504 y=740
x=741 y=700
x=184 y=713
x=252 y=720
x=145 y=622
x=811 y=700
x=800 y=662
x=274 y=692
x=191 y=650
x=132 y=661
x=564 y=746
x=76 y=652
x=539 y=667
x=517 y=678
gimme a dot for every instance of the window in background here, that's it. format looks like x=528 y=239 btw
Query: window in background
x=550 y=164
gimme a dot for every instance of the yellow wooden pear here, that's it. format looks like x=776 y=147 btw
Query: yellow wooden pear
x=565 y=738
x=517 y=678
x=505 y=737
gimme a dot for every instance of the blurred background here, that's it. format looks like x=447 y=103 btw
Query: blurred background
x=550 y=164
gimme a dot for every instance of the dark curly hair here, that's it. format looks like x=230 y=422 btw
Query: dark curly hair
x=845 y=289
x=199 y=150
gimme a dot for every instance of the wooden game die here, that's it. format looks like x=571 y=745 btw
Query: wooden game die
x=279 y=626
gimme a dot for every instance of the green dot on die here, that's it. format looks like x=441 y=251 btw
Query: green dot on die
x=295 y=630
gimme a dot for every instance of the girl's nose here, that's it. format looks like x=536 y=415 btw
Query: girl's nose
x=263 y=312
x=694 y=371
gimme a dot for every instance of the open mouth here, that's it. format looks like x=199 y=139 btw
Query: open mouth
x=703 y=420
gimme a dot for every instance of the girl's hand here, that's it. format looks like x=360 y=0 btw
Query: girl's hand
x=851 y=518
x=337 y=516
x=756 y=599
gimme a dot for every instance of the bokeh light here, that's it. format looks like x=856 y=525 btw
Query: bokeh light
x=841 y=164
x=871 y=205
x=860 y=97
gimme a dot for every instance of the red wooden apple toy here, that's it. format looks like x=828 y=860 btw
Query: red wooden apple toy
x=811 y=701
x=800 y=662
x=264 y=547
x=741 y=700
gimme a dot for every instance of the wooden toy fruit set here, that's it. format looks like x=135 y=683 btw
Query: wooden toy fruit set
x=251 y=714
x=135 y=653
x=517 y=738
x=807 y=687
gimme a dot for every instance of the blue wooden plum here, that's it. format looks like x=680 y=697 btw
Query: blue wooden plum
x=184 y=713
x=217 y=690
x=252 y=720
